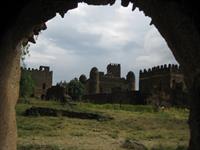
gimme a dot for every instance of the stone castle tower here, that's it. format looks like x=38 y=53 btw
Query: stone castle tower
x=161 y=77
x=110 y=82
x=42 y=79
x=162 y=81
x=130 y=77
x=94 y=81
x=114 y=70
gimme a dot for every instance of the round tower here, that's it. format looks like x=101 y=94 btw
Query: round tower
x=94 y=81
x=130 y=77
x=83 y=79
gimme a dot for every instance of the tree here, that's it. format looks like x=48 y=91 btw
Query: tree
x=75 y=89
x=26 y=82
x=26 y=85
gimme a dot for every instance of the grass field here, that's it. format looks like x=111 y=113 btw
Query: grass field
x=163 y=130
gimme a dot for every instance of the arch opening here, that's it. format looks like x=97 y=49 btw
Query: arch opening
x=116 y=36
x=185 y=47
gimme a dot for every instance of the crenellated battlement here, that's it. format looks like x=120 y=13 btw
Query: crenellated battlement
x=114 y=70
x=41 y=69
x=163 y=69
x=99 y=82
x=42 y=78
x=114 y=64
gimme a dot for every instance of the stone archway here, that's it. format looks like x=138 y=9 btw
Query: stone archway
x=176 y=20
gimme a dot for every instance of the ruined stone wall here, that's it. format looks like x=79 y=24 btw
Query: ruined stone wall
x=42 y=78
x=126 y=97
x=109 y=85
x=159 y=84
x=93 y=81
x=110 y=82
x=55 y=93
x=177 y=78
x=160 y=77
x=114 y=70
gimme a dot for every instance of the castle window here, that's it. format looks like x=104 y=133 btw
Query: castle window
x=173 y=84
x=43 y=86
x=101 y=90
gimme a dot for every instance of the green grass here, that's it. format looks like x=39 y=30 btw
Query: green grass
x=38 y=147
x=163 y=130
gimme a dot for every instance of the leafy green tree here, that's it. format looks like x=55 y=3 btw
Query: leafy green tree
x=26 y=82
x=26 y=85
x=75 y=89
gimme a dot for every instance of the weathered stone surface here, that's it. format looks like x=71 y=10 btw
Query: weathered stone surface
x=164 y=85
x=9 y=89
x=99 y=83
x=178 y=21
x=42 y=79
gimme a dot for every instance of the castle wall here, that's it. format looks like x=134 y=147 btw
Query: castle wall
x=163 y=84
x=42 y=79
x=114 y=70
x=160 y=77
x=155 y=82
x=161 y=81
x=126 y=97
x=93 y=81
x=109 y=85
x=110 y=82
x=178 y=78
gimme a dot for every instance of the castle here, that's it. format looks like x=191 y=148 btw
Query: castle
x=110 y=82
x=42 y=78
x=163 y=84
x=166 y=82
x=161 y=78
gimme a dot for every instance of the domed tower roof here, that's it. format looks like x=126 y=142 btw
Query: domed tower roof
x=130 y=76
x=94 y=71
x=83 y=78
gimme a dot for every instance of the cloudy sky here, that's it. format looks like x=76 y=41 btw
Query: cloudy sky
x=96 y=36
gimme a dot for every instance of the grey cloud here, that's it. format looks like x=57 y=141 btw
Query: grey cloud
x=78 y=42
x=94 y=36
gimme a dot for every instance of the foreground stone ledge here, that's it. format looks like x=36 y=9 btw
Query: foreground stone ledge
x=42 y=111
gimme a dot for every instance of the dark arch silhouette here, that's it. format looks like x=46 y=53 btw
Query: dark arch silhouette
x=176 y=20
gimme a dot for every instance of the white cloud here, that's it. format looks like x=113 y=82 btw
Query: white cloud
x=95 y=36
x=155 y=50
x=37 y=57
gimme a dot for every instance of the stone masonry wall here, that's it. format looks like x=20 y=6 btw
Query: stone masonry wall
x=42 y=78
